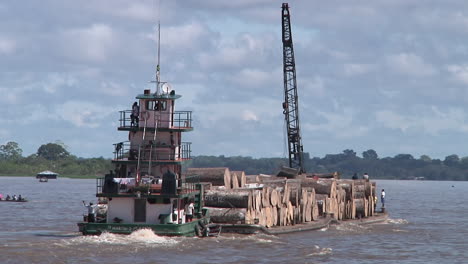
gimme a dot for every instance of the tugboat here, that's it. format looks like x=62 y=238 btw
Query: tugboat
x=147 y=189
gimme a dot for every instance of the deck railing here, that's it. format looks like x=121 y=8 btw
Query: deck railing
x=187 y=185
x=179 y=120
x=126 y=151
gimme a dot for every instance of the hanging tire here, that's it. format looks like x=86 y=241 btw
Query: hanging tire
x=198 y=231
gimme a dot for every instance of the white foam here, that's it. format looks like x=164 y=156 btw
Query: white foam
x=139 y=237
x=351 y=227
x=397 y=221
x=318 y=251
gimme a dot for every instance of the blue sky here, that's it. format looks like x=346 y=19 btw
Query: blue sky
x=385 y=75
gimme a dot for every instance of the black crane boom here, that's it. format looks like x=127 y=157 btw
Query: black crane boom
x=290 y=104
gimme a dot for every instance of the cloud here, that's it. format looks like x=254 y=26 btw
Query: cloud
x=248 y=115
x=459 y=72
x=353 y=69
x=252 y=78
x=341 y=124
x=83 y=114
x=94 y=43
x=56 y=81
x=432 y=121
x=114 y=89
x=7 y=46
x=410 y=64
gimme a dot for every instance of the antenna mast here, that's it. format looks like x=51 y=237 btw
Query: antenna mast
x=158 y=69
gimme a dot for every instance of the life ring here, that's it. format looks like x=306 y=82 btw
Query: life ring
x=144 y=115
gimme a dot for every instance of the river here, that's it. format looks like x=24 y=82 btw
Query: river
x=428 y=224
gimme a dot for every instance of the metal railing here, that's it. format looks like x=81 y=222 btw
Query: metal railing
x=179 y=120
x=187 y=185
x=126 y=151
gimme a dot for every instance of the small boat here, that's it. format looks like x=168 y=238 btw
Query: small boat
x=14 y=201
x=47 y=175
x=43 y=179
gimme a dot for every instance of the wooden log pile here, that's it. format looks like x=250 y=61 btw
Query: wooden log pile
x=279 y=201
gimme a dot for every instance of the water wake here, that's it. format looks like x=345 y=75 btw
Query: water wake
x=318 y=251
x=351 y=227
x=139 y=237
x=397 y=221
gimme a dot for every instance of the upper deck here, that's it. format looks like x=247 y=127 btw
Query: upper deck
x=177 y=121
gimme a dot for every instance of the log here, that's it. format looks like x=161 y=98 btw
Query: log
x=228 y=198
x=348 y=187
x=217 y=176
x=227 y=215
x=251 y=179
x=240 y=177
x=327 y=187
x=287 y=172
x=234 y=180
x=330 y=175
x=274 y=197
x=360 y=208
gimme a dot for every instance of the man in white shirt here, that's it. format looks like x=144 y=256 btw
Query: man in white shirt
x=190 y=210
x=91 y=212
x=382 y=198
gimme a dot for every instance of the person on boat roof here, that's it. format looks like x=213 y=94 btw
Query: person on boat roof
x=20 y=198
x=355 y=177
x=135 y=114
x=366 y=176
x=8 y=198
x=15 y=198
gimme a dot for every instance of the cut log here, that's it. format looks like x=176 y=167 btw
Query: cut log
x=217 y=176
x=228 y=198
x=360 y=208
x=287 y=172
x=322 y=186
x=241 y=178
x=274 y=197
x=227 y=215
x=251 y=179
x=234 y=180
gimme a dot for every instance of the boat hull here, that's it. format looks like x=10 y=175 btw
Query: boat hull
x=189 y=229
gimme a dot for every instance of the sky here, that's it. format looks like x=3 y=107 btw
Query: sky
x=385 y=75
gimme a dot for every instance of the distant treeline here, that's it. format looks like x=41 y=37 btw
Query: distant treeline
x=55 y=157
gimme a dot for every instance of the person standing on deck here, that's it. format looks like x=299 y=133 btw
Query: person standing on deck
x=366 y=176
x=91 y=212
x=382 y=198
x=135 y=114
x=190 y=210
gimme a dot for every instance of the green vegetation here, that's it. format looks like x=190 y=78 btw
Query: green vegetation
x=402 y=166
x=55 y=157
x=51 y=156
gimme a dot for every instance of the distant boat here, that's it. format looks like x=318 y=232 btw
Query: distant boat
x=16 y=201
x=47 y=175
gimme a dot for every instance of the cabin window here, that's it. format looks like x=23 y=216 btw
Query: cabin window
x=156 y=105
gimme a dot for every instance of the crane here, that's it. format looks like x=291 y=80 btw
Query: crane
x=290 y=104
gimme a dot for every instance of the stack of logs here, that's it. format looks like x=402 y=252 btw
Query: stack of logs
x=233 y=198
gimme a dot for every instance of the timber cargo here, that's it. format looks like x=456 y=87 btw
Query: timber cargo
x=275 y=205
